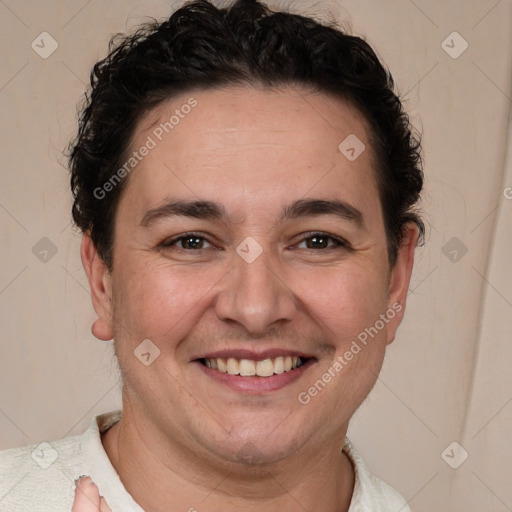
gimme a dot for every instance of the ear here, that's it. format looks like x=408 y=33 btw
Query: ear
x=100 y=283
x=399 y=280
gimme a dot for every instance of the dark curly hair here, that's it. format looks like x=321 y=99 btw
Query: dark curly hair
x=200 y=47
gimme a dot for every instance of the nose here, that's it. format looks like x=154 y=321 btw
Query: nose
x=256 y=294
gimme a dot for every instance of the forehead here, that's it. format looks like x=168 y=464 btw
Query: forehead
x=244 y=145
x=221 y=116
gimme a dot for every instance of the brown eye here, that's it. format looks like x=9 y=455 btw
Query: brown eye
x=187 y=242
x=322 y=241
x=317 y=242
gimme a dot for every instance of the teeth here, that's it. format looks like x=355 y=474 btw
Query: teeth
x=278 y=365
x=248 y=368
x=222 y=365
x=232 y=366
x=265 y=368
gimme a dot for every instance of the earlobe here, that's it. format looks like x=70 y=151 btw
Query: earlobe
x=400 y=278
x=100 y=284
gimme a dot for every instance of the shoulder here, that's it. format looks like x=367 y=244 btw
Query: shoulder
x=370 y=492
x=39 y=473
x=43 y=474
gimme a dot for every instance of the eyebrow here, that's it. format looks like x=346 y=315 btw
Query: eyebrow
x=209 y=210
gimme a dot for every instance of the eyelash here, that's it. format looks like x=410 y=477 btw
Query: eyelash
x=338 y=242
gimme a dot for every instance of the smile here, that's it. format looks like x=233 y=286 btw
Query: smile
x=255 y=374
x=250 y=368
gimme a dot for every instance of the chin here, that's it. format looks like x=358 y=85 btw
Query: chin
x=257 y=448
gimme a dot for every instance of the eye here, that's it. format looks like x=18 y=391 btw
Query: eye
x=188 y=241
x=314 y=241
x=319 y=240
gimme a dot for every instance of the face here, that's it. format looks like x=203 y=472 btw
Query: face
x=247 y=241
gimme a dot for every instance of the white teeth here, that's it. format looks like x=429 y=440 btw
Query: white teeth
x=232 y=366
x=222 y=366
x=248 y=368
x=265 y=368
x=279 y=365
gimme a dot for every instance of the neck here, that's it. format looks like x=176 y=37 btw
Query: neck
x=163 y=476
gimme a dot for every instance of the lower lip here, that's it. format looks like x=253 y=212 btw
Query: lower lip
x=255 y=385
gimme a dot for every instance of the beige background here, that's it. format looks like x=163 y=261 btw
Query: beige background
x=447 y=376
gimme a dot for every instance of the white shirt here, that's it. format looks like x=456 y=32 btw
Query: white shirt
x=41 y=476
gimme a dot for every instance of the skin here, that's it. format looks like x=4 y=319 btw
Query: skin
x=182 y=435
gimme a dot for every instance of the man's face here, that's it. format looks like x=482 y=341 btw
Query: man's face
x=253 y=284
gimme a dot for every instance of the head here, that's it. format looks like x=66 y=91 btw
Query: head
x=246 y=180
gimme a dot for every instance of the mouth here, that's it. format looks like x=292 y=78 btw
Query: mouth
x=250 y=368
x=255 y=376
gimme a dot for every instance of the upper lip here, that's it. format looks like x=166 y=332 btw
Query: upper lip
x=239 y=353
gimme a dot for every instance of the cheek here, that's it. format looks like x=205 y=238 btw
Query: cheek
x=346 y=299
x=153 y=302
x=348 y=304
x=159 y=301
